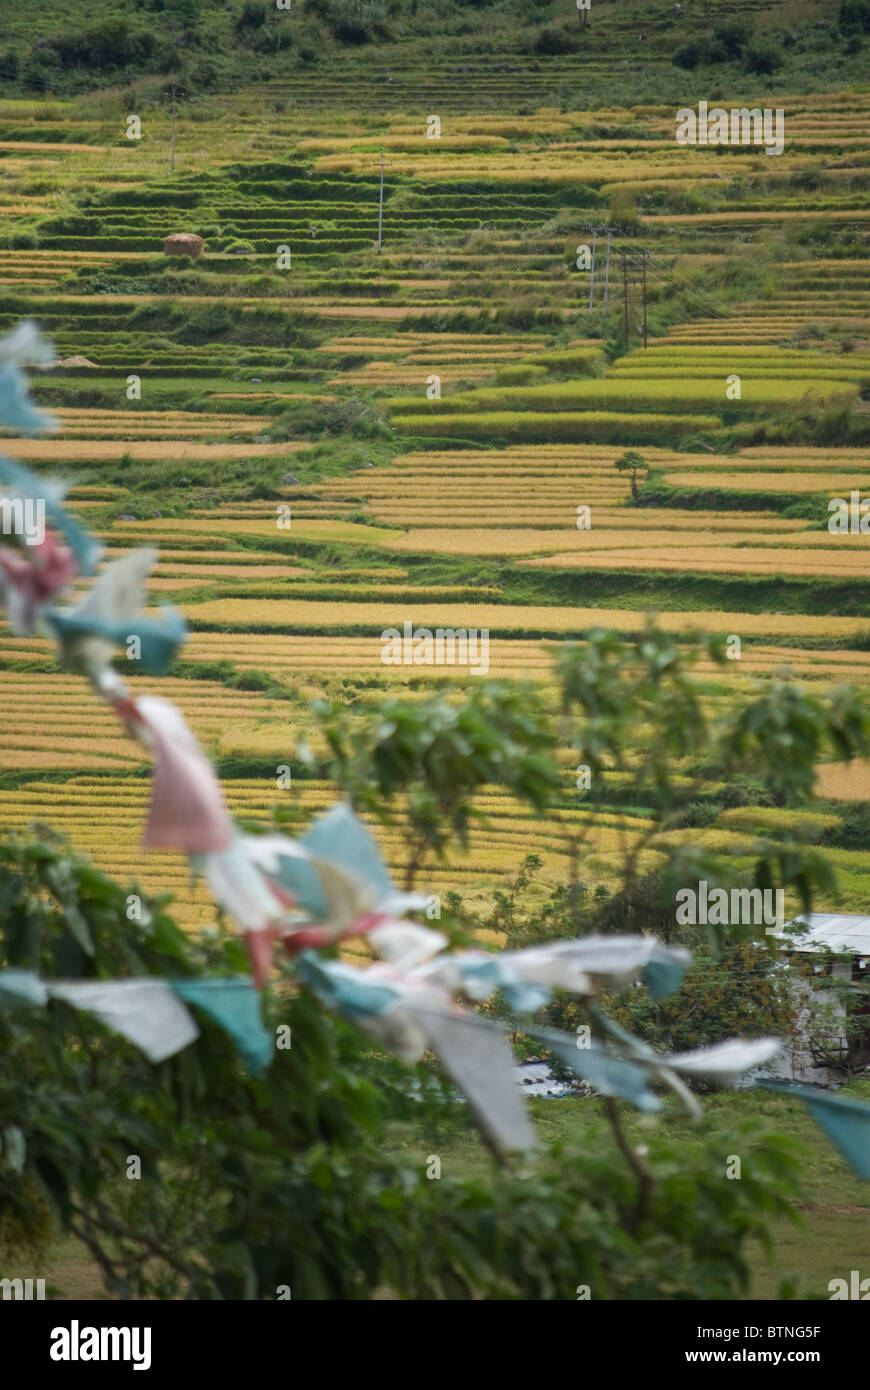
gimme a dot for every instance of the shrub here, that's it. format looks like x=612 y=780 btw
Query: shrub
x=253 y=15
x=854 y=16
x=740 y=992
x=554 y=41
x=727 y=42
x=350 y=30
x=690 y=55
x=730 y=39
x=37 y=74
x=350 y=415
x=812 y=826
x=356 y=21
x=110 y=45
x=763 y=57
x=203 y=74
x=698 y=815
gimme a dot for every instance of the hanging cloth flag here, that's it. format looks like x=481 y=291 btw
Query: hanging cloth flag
x=334 y=870
x=145 y=1011
x=477 y=1057
x=16 y=408
x=187 y=810
x=19 y=987
x=354 y=993
x=159 y=639
x=408 y=1016
x=239 y=885
x=722 y=1063
x=235 y=1005
x=584 y=967
x=26 y=345
x=110 y=615
x=340 y=836
x=664 y=971
x=846 y=1122
x=22 y=483
x=30 y=578
x=406 y=945
x=612 y=1076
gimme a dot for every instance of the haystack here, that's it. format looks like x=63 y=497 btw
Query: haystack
x=183 y=244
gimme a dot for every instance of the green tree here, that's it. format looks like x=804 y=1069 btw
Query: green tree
x=251 y=1184
x=295 y=1178
x=424 y=760
x=635 y=462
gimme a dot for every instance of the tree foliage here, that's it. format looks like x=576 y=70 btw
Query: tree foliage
x=248 y=1184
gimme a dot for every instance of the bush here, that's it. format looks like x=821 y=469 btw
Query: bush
x=730 y=39
x=762 y=58
x=203 y=74
x=107 y=46
x=253 y=15
x=554 y=41
x=854 y=831
x=356 y=21
x=350 y=30
x=854 y=17
x=696 y=816
x=690 y=55
x=38 y=74
x=727 y=42
x=350 y=415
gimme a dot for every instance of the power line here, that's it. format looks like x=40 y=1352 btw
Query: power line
x=685 y=291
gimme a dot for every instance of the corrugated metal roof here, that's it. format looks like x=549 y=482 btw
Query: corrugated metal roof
x=831 y=931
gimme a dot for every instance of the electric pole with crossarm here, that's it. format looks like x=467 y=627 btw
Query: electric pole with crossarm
x=381 y=208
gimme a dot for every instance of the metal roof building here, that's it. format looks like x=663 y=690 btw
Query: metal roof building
x=830 y=931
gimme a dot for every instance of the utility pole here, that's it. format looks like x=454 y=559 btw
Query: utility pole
x=645 y=256
x=592 y=268
x=624 y=255
x=607 y=270
x=172 y=147
x=381 y=208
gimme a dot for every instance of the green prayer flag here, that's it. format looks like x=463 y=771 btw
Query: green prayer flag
x=846 y=1122
x=235 y=1005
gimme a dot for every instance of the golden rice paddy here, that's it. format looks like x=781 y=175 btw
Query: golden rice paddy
x=517 y=504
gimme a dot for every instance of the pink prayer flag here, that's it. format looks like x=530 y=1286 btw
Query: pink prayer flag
x=187 y=809
x=31 y=578
x=259 y=948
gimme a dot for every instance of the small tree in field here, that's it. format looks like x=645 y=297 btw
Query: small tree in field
x=636 y=462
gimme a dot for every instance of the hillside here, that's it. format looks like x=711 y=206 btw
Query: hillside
x=514 y=52
x=459 y=509
x=330 y=439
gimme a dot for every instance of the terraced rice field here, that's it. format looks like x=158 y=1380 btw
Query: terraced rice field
x=442 y=417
